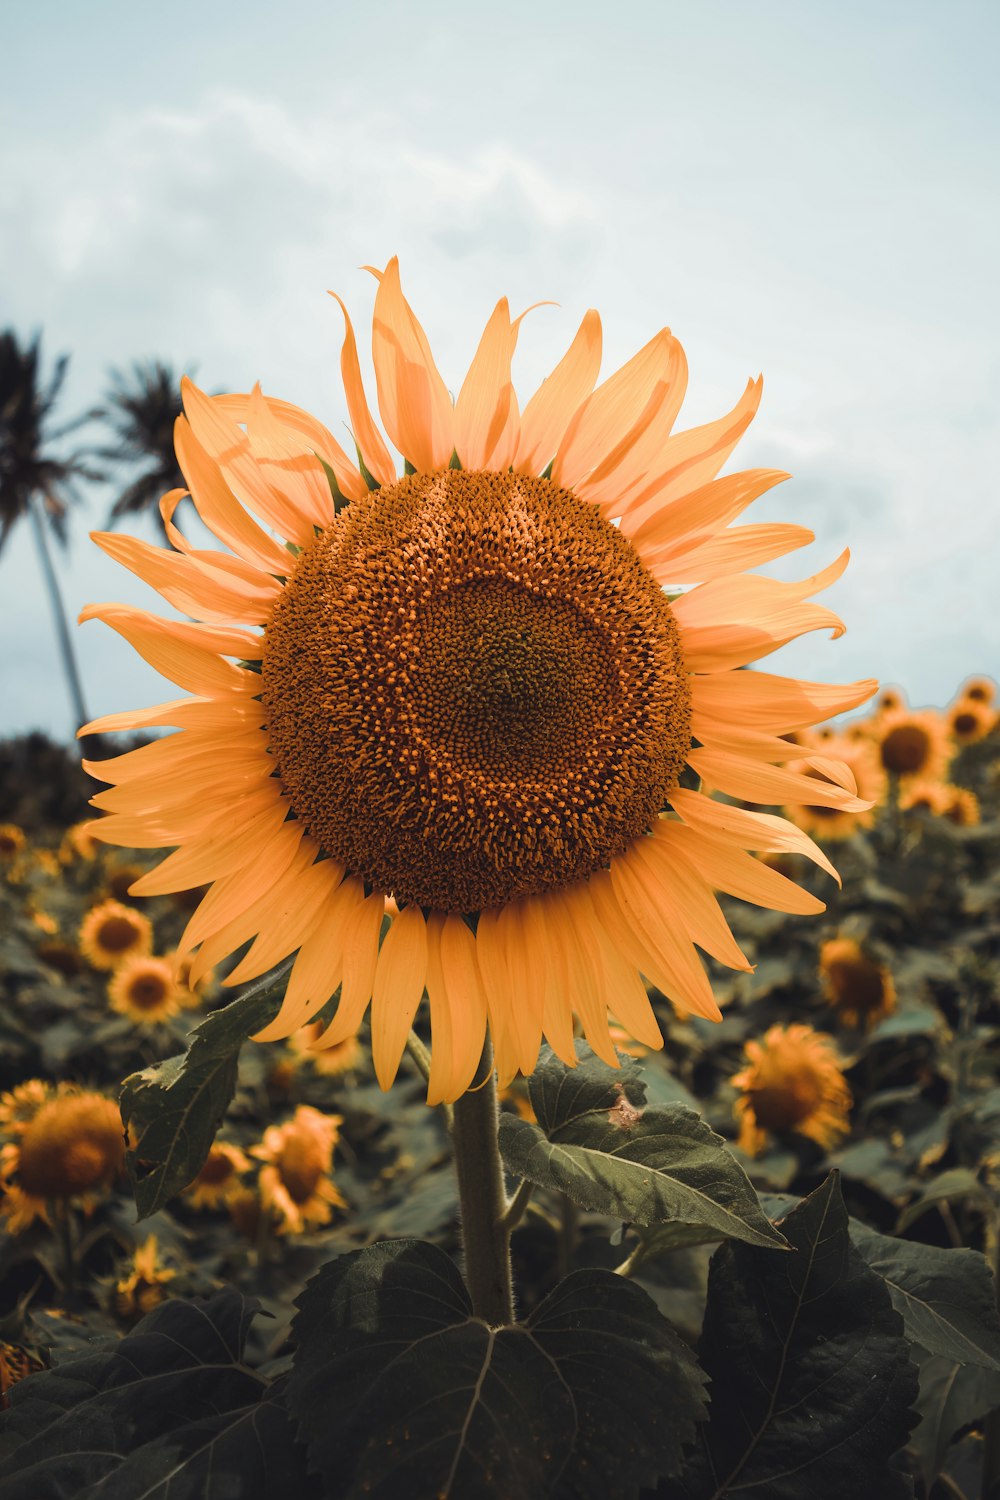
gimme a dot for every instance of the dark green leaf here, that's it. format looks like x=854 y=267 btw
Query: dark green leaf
x=811 y=1380
x=173 y=1109
x=559 y=1095
x=947 y=1298
x=170 y=1413
x=951 y=1396
x=643 y=1168
x=959 y=1182
x=401 y=1391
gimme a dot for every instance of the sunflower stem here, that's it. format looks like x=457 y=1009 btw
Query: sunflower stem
x=483 y=1197
x=991 y=1426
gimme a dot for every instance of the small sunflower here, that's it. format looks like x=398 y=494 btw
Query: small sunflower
x=968 y=720
x=296 y=1185
x=111 y=933
x=945 y=800
x=189 y=990
x=889 y=700
x=145 y=990
x=792 y=1082
x=78 y=842
x=343 y=1057
x=145 y=1285
x=860 y=990
x=119 y=879
x=16 y=1361
x=979 y=690
x=219 y=1179
x=12 y=842
x=71 y=1147
x=825 y=820
x=466 y=687
x=914 y=743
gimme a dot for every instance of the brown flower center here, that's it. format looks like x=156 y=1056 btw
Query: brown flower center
x=148 y=992
x=474 y=690
x=906 y=749
x=117 y=934
x=301 y=1164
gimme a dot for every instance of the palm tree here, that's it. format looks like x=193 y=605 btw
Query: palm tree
x=141 y=410
x=33 y=482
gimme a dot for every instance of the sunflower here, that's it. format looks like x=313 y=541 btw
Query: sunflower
x=944 y=800
x=889 y=700
x=189 y=991
x=219 y=1179
x=969 y=720
x=831 y=822
x=860 y=990
x=145 y=1285
x=70 y=1146
x=120 y=878
x=979 y=689
x=341 y=1058
x=145 y=990
x=296 y=1185
x=12 y=842
x=792 y=1082
x=914 y=743
x=472 y=692
x=111 y=933
x=78 y=842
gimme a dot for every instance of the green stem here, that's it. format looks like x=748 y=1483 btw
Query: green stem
x=518 y=1204
x=422 y=1058
x=483 y=1197
x=64 y=1218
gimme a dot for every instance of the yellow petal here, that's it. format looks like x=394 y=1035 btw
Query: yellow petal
x=399 y=984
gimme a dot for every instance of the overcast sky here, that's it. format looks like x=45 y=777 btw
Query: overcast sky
x=800 y=188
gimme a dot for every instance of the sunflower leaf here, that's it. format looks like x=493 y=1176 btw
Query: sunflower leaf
x=811 y=1379
x=170 y=1411
x=173 y=1109
x=946 y=1298
x=401 y=1390
x=559 y=1095
x=643 y=1167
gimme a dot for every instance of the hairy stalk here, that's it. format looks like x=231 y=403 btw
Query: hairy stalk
x=422 y=1058
x=483 y=1197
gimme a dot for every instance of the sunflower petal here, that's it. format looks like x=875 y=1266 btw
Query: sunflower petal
x=399 y=984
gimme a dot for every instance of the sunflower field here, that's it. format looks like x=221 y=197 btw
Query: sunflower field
x=167 y=1299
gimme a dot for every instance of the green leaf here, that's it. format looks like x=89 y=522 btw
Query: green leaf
x=173 y=1109
x=642 y=1167
x=401 y=1391
x=951 y=1396
x=170 y=1413
x=947 y=1298
x=811 y=1379
x=560 y=1095
x=958 y=1182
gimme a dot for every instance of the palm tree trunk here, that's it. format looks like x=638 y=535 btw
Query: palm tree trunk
x=59 y=613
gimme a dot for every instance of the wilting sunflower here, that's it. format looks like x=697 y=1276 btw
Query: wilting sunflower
x=219 y=1179
x=792 y=1082
x=969 y=720
x=914 y=742
x=466 y=688
x=860 y=990
x=825 y=819
x=145 y=1285
x=111 y=933
x=70 y=1146
x=296 y=1185
x=145 y=990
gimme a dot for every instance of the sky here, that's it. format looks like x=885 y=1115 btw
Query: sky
x=796 y=188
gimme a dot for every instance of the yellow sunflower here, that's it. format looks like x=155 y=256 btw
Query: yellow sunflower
x=341 y=1058
x=145 y=990
x=78 y=842
x=12 y=842
x=219 y=1179
x=860 y=990
x=889 y=700
x=969 y=720
x=792 y=1082
x=944 y=800
x=111 y=933
x=825 y=819
x=466 y=687
x=979 y=689
x=296 y=1185
x=70 y=1146
x=914 y=743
